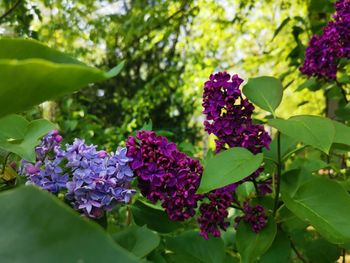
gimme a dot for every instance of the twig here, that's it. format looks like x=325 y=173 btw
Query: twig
x=8 y=12
x=300 y=256
x=343 y=92
x=344 y=255
x=278 y=174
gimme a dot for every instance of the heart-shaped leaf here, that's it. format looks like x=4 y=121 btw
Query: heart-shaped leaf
x=252 y=245
x=325 y=205
x=265 y=92
x=228 y=167
x=19 y=136
x=312 y=130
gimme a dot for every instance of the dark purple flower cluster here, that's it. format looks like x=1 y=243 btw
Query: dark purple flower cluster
x=255 y=216
x=214 y=214
x=324 y=51
x=94 y=180
x=229 y=116
x=164 y=173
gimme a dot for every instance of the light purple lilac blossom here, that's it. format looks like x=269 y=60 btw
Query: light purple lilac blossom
x=94 y=180
x=324 y=51
x=165 y=174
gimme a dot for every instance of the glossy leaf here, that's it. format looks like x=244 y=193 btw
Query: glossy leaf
x=342 y=133
x=19 y=136
x=37 y=227
x=196 y=248
x=325 y=205
x=279 y=250
x=138 y=240
x=153 y=218
x=265 y=92
x=31 y=73
x=252 y=245
x=315 y=131
x=228 y=167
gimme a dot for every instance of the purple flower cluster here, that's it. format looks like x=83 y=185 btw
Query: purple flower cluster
x=255 y=216
x=164 y=173
x=229 y=116
x=214 y=214
x=94 y=180
x=324 y=51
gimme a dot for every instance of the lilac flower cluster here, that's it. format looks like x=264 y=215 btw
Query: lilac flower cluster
x=94 y=181
x=214 y=214
x=229 y=117
x=255 y=216
x=324 y=51
x=164 y=173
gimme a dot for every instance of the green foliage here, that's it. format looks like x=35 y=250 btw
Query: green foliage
x=311 y=130
x=24 y=70
x=190 y=247
x=325 y=205
x=140 y=241
x=228 y=167
x=280 y=249
x=17 y=135
x=153 y=217
x=252 y=245
x=265 y=92
x=36 y=227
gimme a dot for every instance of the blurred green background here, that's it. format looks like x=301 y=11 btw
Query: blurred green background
x=170 y=48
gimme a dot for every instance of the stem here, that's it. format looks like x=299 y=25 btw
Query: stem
x=8 y=12
x=5 y=162
x=278 y=174
x=342 y=90
x=256 y=187
x=128 y=219
x=344 y=255
x=300 y=256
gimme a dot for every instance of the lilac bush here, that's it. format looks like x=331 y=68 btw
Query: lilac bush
x=93 y=181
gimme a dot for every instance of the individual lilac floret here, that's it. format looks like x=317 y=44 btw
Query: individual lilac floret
x=164 y=173
x=48 y=144
x=254 y=216
x=228 y=115
x=324 y=52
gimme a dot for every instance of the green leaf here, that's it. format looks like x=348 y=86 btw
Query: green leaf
x=37 y=227
x=138 y=240
x=192 y=245
x=19 y=136
x=280 y=27
x=325 y=205
x=266 y=92
x=153 y=218
x=228 y=167
x=342 y=133
x=252 y=245
x=315 y=131
x=279 y=250
x=31 y=73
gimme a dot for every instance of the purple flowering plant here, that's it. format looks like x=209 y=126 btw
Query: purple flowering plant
x=92 y=181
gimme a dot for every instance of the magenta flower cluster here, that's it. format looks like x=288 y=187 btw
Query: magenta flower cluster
x=164 y=173
x=93 y=181
x=253 y=215
x=324 y=52
x=229 y=116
